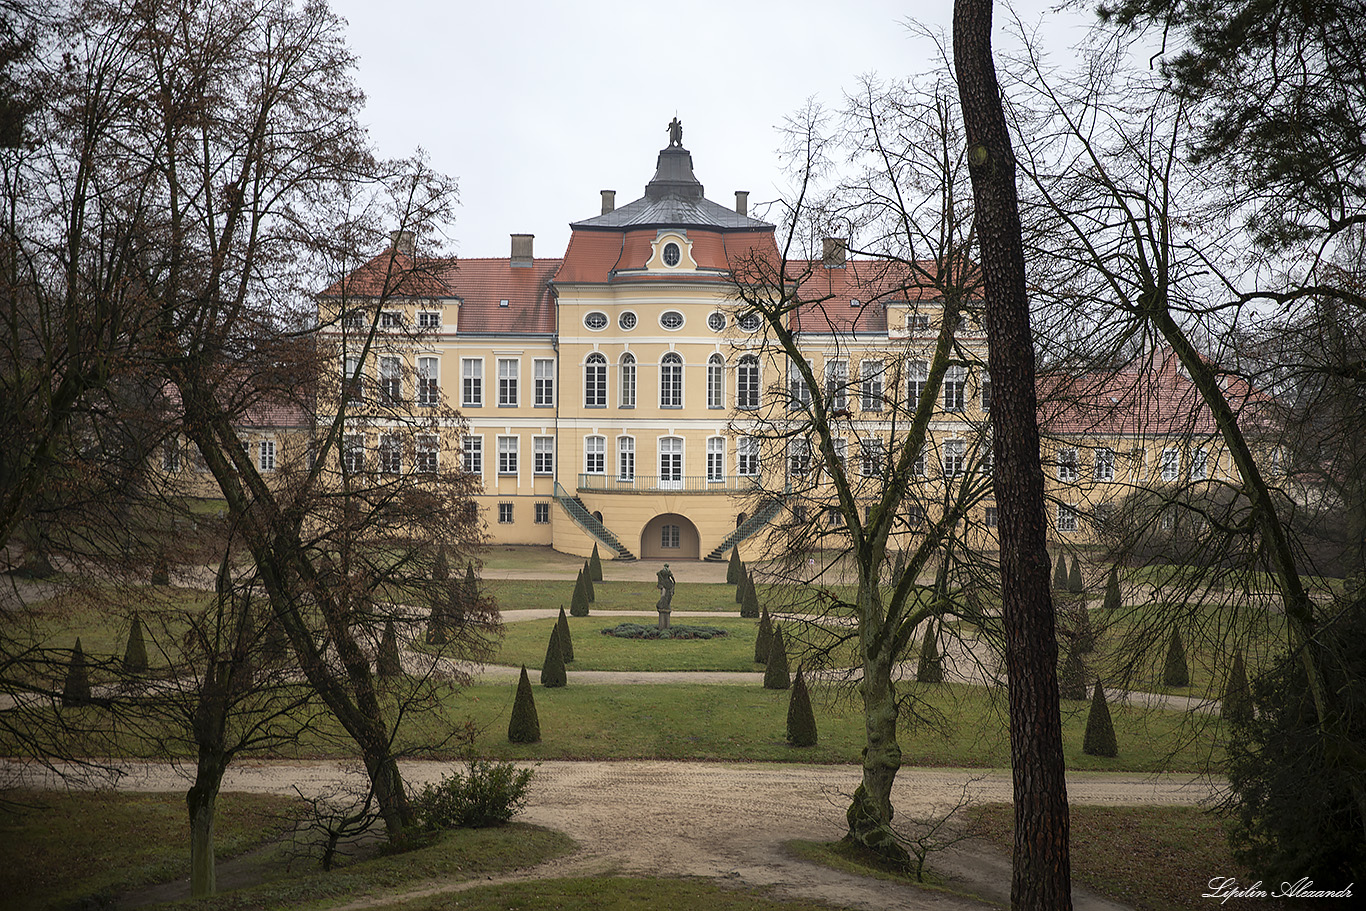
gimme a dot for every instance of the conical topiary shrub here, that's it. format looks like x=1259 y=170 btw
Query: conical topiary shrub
x=931 y=666
x=1112 y=601
x=471 y=583
x=763 y=638
x=552 y=671
x=801 y=720
x=740 y=588
x=749 y=608
x=1174 y=670
x=595 y=565
x=1060 y=574
x=135 y=653
x=1236 y=706
x=776 y=675
x=1099 y=739
x=588 y=583
x=566 y=643
x=161 y=569
x=1084 y=634
x=389 y=664
x=578 y=604
x=524 y=727
x=76 y=686
x=441 y=570
x=1074 y=583
x=1072 y=679
x=734 y=568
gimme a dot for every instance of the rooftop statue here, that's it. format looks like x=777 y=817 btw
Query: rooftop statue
x=675 y=134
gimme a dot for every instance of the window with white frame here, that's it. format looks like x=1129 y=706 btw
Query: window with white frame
x=837 y=384
x=595 y=381
x=670 y=461
x=543 y=455
x=508 y=370
x=955 y=381
x=671 y=381
x=626 y=458
x=265 y=455
x=839 y=450
x=472 y=455
x=716 y=459
x=747 y=456
x=798 y=393
x=798 y=456
x=170 y=455
x=390 y=319
x=1067 y=465
x=428 y=382
x=543 y=370
x=834 y=516
x=1104 y=464
x=750 y=322
x=507 y=455
x=541 y=513
x=1067 y=517
x=1200 y=464
x=390 y=379
x=669 y=537
x=628 y=380
x=747 y=390
x=353 y=381
x=870 y=372
x=472 y=382
x=1171 y=464
x=872 y=455
x=986 y=392
x=917 y=322
x=390 y=454
x=353 y=453
x=989 y=517
x=918 y=465
x=955 y=458
x=716 y=381
x=504 y=513
x=429 y=319
x=426 y=460
x=595 y=455
x=353 y=319
x=917 y=375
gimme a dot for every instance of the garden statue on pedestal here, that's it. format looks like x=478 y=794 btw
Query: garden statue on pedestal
x=664 y=581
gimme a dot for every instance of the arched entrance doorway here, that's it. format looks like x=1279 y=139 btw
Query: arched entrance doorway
x=670 y=537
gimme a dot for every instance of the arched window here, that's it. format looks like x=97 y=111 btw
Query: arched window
x=671 y=381
x=747 y=382
x=716 y=381
x=627 y=380
x=595 y=381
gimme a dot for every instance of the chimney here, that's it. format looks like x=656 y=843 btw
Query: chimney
x=609 y=201
x=741 y=202
x=833 y=253
x=403 y=242
x=521 y=251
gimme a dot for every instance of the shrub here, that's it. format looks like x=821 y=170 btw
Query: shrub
x=1060 y=574
x=740 y=588
x=552 y=671
x=1083 y=634
x=931 y=666
x=763 y=638
x=1074 y=583
x=389 y=664
x=749 y=608
x=595 y=566
x=1236 y=706
x=588 y=583
x=776 y=676
x=735 y=568
x=1112 y=601
x=161 y=569
x=135 y=654
x=76 y=687
x=524 y=727
x=637 y=631
x=1099 y=739
x=441 y=570
x=1072 y=679
x=801 y=720
x=578 y=604
x=471 y=582
x=1174 y=670
x=565 y=641
x=488 y=794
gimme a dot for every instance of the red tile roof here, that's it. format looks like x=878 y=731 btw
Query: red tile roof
x=873 y=283
x=612 y=256
x=391 y=274
x=482 y=285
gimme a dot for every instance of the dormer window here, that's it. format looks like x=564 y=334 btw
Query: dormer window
x=428 y=319
x=353 y=319
x=854 y=302
x=917 y=322
x=672 y=254
x=503 y=302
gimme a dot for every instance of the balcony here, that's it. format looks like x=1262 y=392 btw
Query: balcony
x=649 y=483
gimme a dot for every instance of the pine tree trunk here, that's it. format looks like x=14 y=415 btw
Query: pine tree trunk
x=1041 y=878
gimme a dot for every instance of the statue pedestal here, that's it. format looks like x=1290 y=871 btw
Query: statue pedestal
x=664 y=619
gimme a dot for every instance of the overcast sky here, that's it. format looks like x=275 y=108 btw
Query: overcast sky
x=536 y=106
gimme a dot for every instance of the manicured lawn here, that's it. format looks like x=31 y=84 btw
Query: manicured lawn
x=525 y=643
x=513 y=594
x=603 y=893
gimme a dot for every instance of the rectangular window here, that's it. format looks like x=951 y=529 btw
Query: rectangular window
x=428 y=382
x=1200 y=464
x=840 y=451
x=472 y=382
x=871 y=373
x=747 y=456
x=626 y=459
x=390 y=380
x=798 y=456
x=541 y=513
x=544 y=370
x=918 y=466
x=265 y=455
x=508 y=368
x=170 y=455
x=798 y=393
x=353 y=453
x=747 y=383
x=671 y=381
x=1171 y=464
x=671 y=462
x=986 y=393
x=472 y=455
x=989 y=517
x=504 y=513
x=955 y=381
x=669 y=537
x=1105 y=464
x=1067 y=518
x=917 y=322
x=955 y=458
x=917 y=375
x=390 y=454
x=1067 y=465
x=353 y=381
x=716 y=458
x=390 y=319
x=834 y=516
x=507 y=455
x=628 y=382
x=837 y=385
x=595 y=455
x=872 y=457
x=426 y=453
x=543 y=449
x=353 y=319
x=716 y=382
x=428 y=319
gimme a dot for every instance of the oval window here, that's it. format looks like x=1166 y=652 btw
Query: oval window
x=749 y=322
x=671 y=254
x=671 y=319
x=716 y=321
x=627 y=320
x=595 y=321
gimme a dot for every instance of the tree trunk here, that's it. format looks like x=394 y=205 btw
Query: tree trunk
x=1041 y=878
x=201 y=801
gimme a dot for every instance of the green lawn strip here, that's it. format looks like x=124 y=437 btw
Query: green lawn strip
x=1150 y=858
x=525 y=642
x=60 y=847
x=603 y=893
x=515 y=594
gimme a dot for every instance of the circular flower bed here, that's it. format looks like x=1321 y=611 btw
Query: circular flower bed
x=636 y=631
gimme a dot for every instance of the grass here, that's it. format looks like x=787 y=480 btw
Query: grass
x=525 y=643
x=514 y=594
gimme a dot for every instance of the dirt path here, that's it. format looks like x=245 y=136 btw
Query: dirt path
x=725 y=823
